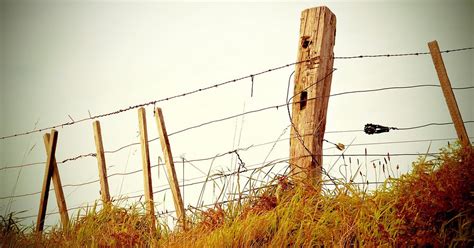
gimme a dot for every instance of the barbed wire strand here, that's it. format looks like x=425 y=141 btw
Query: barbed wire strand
x=191 y=92
x=400 y=54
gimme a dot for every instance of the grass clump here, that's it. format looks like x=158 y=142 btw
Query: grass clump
x=431 y=206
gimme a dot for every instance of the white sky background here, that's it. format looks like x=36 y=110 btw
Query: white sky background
x=60 y=59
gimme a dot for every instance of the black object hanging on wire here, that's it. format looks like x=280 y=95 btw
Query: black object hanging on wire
x=375 y=128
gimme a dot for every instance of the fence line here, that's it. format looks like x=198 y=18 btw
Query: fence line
x=240 y=149
x=340 y=131
x=220 y=155
x=191 y=92
x=252 y=167
x=255 y=111
x=224 y=154
x=251 y=76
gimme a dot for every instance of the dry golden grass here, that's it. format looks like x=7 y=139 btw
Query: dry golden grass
x=431 y=206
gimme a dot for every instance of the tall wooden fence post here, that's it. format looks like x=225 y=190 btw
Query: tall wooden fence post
x=172 y=178
x=311 y=91
x=104 y=184
x=58 y=188
x=448 y=93
x=47 y=180
x=150 y=207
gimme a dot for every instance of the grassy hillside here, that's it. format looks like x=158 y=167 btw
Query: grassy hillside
x=433 y=205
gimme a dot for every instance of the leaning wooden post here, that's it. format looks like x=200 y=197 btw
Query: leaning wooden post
x=104 y=184
x=47 y=180
x=58 y=188
x=172 y=178
x=448 y=93
x=311 y=91
x=150 y=207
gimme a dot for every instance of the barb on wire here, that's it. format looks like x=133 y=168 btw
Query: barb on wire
x=251 y=89
x=78 y=157
x=241 y=163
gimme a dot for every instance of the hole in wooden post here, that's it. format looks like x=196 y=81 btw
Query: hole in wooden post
x=303 y=99
x=305 y=42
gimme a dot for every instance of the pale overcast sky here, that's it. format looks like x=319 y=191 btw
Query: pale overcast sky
x=70 y=57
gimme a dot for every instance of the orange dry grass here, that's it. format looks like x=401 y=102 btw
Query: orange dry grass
x=111 y=226
x=431 y=206
x=437 y=198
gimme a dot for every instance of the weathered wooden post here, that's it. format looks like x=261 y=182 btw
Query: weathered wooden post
x=150 y=206
x=311 y=91
x=172 y=178
x=448 y=93
x=58 y=188
x=49 y=168
x=104 y=184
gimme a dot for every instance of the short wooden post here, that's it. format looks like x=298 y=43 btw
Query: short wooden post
x=58 y=188
x=150 y=207
x=448 y=93
x=312 y=86
x=47 y=180
x=104 y=184
x=172 y=178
